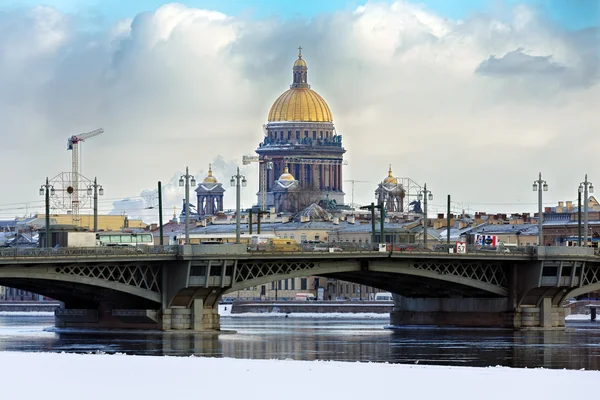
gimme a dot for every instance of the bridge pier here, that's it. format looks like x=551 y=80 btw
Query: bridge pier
x=475 y=312
x=106 y=317
x=196 y=318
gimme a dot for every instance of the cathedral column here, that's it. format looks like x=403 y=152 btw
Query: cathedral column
x=336 y=178
x=341 y=180
x=302 y=182
x=330 y=171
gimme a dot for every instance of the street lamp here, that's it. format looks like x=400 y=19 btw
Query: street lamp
x=425 y=195
x=95 y=189
x=235 y=181
x=538 y=185
x=186 y=180
x=585 y=186
x=48 y=190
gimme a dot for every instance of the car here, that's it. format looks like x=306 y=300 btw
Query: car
x=341 y=298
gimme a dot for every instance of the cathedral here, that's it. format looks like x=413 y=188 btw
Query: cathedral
x=301 y=155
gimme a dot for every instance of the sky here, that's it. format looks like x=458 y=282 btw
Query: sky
x=474 y=98
x=119 y=376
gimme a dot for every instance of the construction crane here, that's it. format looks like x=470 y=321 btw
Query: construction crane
x=73 y=145
x=353 y=181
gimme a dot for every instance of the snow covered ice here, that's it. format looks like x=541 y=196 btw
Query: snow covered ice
x=51 y=376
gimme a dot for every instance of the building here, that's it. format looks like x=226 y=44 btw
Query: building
x=561 y=223
x=300 y=137
x=105 y=222
x=391 y=193
x=210 y=195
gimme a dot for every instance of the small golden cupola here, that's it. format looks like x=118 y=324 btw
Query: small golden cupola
x=210 y=178
x=390 y=180
x=286 y=176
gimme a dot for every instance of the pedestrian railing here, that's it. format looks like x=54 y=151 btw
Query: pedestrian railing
x=87 y=252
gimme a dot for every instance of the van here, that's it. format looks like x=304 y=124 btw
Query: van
x=383 y=296
x=305 y=297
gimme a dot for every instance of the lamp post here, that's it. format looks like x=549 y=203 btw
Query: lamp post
x=235 y=181
x=48 y=190
x=186 y=180
x=538 y=186
x=585 y=186
x=96 y=190
x=425 y=195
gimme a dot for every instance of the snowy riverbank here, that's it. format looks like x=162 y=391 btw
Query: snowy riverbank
x=90 y=377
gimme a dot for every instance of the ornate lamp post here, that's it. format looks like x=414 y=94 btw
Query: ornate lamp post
x=96 y=190
x=186 y=180
x=585 y=186
x=425 y=195
x=538 y=186
x=235 y=181
x=48 y=190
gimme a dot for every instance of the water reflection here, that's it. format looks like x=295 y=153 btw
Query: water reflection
x=327 y=339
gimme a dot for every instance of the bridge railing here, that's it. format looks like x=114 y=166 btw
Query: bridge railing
x=410 y=248
x=91 y=252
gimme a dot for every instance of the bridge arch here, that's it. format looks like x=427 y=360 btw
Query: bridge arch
x=40 y=280
x=483 y=278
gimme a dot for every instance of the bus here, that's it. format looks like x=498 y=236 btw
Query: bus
x=218 y=238
x=124 y=239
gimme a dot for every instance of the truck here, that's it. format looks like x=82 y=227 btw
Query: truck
x=279 y=244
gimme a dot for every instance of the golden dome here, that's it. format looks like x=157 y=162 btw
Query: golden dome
x=390 y=178
x=300 y=63
x=210 y=178
x=286 y=176
x=300 y=104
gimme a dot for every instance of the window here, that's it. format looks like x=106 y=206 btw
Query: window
x=293 y=283
x=315 y=135
x=273 y=285
x=289 y=135
x=303 y=283
x=303 y=237
x=321 y=134
x=305 y=133
x=281 y=134
x=317 y=237
x=286 y=284
x=297 y=134
x=279 y=285
x=291 y=235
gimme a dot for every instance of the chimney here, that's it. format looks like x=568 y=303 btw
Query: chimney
x=336 y=221
x=351 y=219
x=304 y=218
x=440 y=216
x=569 y=205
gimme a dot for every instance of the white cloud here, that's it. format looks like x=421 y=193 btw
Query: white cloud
x=178 y=86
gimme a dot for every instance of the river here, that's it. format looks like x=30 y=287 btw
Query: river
x=341 y=339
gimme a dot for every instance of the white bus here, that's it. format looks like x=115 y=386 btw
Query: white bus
x=124 y=239
x=217 y=238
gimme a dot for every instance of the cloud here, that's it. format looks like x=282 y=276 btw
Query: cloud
x=474 y=108
x=520 y=64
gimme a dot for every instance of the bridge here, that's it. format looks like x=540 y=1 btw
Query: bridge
x=178 y=287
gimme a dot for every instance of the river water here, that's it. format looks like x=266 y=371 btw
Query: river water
x=340 y=339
